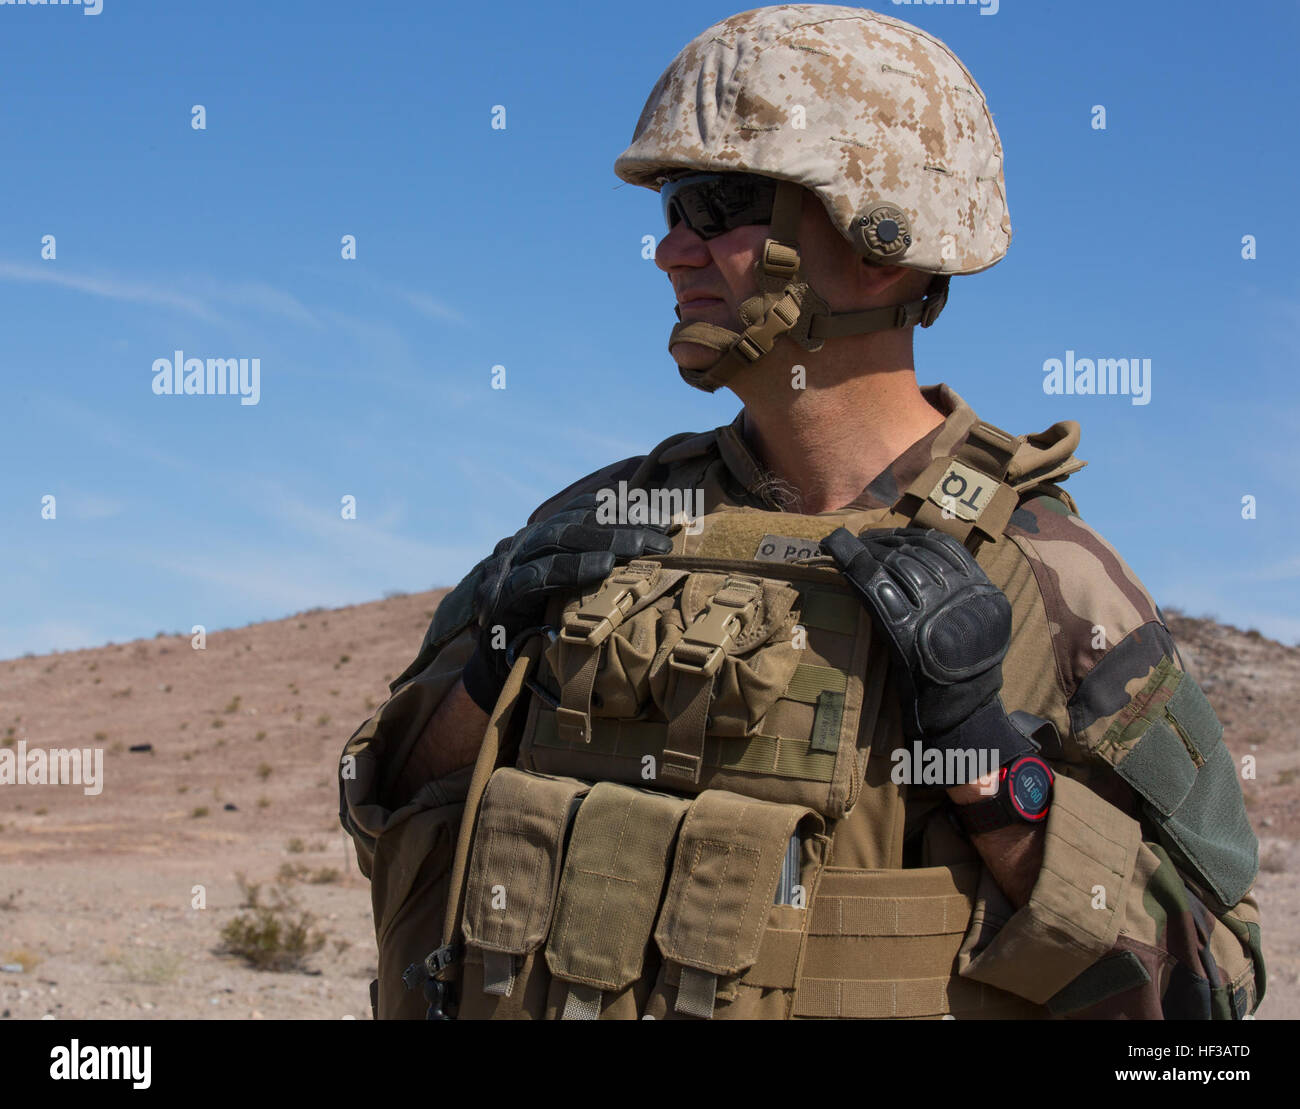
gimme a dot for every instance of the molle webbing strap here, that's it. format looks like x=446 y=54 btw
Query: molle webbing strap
x=964 y=495
x=488 y=753
x=631 y=741
x=697 y=657
x=725 y=873
x=614 y=875
x=514 y=869
x=882 y=943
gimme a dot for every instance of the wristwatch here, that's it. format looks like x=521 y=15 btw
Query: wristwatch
x=1024 y=795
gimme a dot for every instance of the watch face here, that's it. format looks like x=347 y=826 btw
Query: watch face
x=1029 y=787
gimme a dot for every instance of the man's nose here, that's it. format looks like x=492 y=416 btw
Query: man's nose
x=681 y=247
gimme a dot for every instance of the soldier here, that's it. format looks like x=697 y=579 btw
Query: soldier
x=887 y=730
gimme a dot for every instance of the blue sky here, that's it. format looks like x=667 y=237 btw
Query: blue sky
x=519 y=247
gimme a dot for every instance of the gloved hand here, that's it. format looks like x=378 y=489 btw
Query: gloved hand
x=567 y=552
x=948 y=628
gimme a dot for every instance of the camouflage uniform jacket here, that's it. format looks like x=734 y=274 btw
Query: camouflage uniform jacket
x=1119 y=923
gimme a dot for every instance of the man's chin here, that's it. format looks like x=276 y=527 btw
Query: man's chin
x=693 y=356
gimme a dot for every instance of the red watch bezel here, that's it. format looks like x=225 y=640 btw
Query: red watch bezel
x=1009 y=793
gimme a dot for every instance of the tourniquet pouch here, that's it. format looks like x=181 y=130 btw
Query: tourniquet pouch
x=688 y=673
x=510 y=891
x=727 y=950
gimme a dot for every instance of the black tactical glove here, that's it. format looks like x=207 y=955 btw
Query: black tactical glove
x=948 y=628
x=564 y=553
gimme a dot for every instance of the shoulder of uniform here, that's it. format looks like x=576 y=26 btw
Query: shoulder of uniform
x=1107 y=630
x=638 y=470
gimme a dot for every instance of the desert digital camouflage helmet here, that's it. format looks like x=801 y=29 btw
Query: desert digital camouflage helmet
x=879 y=119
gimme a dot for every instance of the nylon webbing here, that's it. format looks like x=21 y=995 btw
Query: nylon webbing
x=498 y=973
x=890 y=916
x=829 y=997
x=696 y=993
x=581 y=1003
x=963 y=495
x=809 y=681
x=632 y=740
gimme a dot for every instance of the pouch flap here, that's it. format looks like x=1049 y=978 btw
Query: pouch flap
x=725 y=873
x=614 y=875
x=515 y=864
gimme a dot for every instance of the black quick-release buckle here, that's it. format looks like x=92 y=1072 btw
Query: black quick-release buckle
x=440 y=959
x=437 y=993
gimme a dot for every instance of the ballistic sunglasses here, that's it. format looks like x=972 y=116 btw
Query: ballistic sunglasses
x=711 y=204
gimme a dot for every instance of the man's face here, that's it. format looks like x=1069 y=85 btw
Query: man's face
x=711 y=278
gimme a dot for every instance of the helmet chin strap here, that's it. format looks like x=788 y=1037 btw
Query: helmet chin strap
x=787 y=306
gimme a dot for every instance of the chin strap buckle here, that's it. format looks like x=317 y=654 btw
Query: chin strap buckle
x=936 y=297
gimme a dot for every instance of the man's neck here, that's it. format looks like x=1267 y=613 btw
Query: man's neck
x=822 y=445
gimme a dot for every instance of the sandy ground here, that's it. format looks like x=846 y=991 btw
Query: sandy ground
x=113 y=905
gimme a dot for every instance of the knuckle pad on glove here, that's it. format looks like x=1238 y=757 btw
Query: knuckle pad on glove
x=966 y=637
x=947 y=548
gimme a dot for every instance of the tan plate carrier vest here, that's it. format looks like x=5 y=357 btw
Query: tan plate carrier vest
x=709 y=705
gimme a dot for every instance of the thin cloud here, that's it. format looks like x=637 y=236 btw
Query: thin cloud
x=427 y=306
x=113 y=288
x=266 y=298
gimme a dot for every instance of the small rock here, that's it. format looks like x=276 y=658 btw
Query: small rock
x=214 y=1001
x=23 y=995
x=256 y=1014
x=140 y=747
x=1267 y=822
x=12 y=968
x=5 y=1013
x=229 y=807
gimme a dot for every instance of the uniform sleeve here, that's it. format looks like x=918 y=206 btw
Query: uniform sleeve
x=1143 y=905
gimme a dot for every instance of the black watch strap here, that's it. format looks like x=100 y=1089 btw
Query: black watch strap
x=985 y=816
x=1003 y=809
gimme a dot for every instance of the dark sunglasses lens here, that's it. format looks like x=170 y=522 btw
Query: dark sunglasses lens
x=713 y=204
